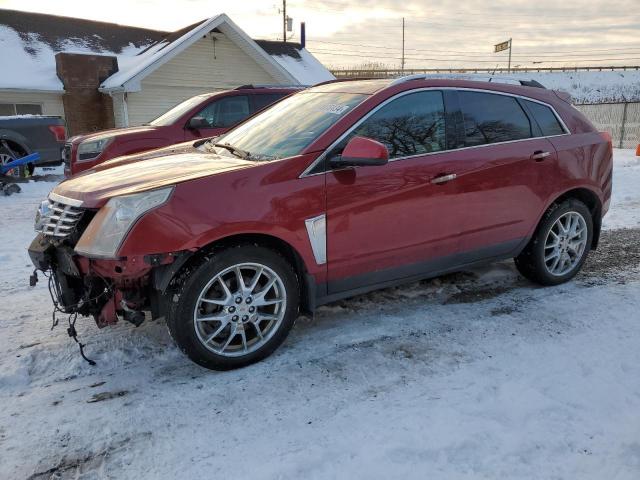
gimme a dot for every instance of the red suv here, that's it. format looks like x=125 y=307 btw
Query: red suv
x=337 y=190
x=201 y=116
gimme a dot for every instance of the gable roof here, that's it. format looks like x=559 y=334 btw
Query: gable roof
x=29 y=42
x=129 y=76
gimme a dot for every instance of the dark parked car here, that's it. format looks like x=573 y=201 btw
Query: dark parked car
x=338 y=190
x=22 y=135
x=198 y=117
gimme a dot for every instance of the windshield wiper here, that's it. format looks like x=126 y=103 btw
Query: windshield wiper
x=238 y=152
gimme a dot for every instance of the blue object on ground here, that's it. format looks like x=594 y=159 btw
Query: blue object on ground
x=34 y=157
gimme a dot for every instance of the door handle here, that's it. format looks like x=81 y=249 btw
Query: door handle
x=539 y=155
x=444 y=178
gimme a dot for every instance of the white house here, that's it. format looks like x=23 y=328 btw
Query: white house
x=100 y=75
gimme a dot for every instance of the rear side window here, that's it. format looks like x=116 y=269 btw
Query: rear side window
x=545 y=118
x=261 y=101
x=492 y=118
x=410 y=125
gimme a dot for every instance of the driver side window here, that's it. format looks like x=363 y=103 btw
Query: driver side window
x=225 y=112
x=412 y=124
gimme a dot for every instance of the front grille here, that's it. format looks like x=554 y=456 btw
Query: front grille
x=61 y=219
x=66 y=155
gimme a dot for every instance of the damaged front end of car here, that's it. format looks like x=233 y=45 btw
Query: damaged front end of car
x=76 y=249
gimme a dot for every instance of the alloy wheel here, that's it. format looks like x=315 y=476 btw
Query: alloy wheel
x=240 y=309
x=565 y=244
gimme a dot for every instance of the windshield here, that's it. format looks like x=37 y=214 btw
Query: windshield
x=290 y=126
x=168 y=118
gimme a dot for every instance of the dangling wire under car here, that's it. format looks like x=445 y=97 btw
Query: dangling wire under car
x=56 y=295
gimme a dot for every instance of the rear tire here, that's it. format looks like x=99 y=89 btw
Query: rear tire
x=7 y=156
x=221 y=322
x=560 y=245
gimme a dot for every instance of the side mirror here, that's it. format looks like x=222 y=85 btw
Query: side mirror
x=362 y=152
x=197 y=123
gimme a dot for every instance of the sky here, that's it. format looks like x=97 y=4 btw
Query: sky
x=440 y=33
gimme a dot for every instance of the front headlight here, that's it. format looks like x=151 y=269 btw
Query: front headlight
x=110 y=226
x=92 y=148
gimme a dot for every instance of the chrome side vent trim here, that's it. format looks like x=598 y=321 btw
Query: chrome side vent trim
x=317 y=231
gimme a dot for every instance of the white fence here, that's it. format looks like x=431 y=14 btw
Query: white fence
x=622 y=120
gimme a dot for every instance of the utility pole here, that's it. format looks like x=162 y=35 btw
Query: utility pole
x=284 y=21
x=402 y=68
x=509 y=67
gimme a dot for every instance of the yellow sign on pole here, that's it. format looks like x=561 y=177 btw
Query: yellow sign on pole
x=501 y=47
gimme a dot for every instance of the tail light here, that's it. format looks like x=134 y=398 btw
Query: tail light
x=59 y=132
x=638 y=151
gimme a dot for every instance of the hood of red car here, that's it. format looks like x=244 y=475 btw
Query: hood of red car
x=116 y=132
x=178 y=148
x=96 y=187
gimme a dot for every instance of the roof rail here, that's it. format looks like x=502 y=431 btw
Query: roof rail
x=251 y=86
x=353 y=79
x=469 y=76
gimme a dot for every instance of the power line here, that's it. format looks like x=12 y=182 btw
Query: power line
x=486 y=52
x=466 y=60
x=343 y=6
x=442 y=21
x=472 y=56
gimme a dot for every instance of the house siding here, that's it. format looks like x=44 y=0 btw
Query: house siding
x=51 y=102
x=201 y=68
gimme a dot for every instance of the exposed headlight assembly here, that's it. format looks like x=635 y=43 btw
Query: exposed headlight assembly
x=90 y=149
x=110 y=226
x=42 y=215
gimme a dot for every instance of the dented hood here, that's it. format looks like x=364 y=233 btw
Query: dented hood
x=96 y=187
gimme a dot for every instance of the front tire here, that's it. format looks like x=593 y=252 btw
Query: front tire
x=235 y=307
x=559 y=246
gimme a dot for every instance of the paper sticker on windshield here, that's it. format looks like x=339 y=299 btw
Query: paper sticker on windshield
x=335 y=108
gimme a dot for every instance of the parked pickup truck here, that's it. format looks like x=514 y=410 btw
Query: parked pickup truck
x=22 y=135
x=202 y=116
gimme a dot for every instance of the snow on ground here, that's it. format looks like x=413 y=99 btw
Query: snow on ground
x=625 y=201
x=474 y=375
x=592 y=87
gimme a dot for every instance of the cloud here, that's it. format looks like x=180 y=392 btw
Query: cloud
x=434 y=30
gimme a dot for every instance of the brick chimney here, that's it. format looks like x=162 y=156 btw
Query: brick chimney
x=85 y=108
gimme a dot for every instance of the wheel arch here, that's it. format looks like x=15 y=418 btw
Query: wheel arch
x=284 y=248
x=591 y=199
x=15 y=144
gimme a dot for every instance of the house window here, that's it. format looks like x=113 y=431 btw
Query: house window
x=20 y=109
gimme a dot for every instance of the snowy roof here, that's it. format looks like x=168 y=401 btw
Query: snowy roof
x=130 y=74
x=30 y=41
x=306 y=68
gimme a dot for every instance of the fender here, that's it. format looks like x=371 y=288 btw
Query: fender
x=296 y=241
x=15 y=137
x=561 y=193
